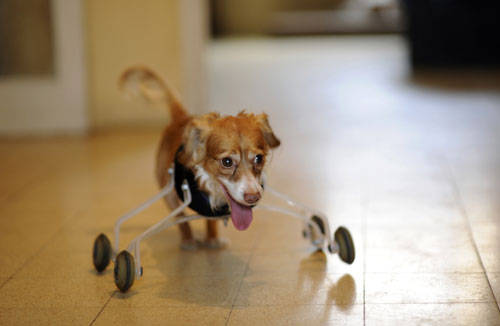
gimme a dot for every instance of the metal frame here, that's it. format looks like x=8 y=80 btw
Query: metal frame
x=302 y=212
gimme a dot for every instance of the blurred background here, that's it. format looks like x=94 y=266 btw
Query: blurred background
x=389 y=117
x=60 y=60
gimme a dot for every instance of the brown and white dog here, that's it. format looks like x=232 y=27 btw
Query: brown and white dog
x=226 y=154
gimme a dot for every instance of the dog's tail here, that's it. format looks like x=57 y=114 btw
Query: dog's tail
x=142 y=81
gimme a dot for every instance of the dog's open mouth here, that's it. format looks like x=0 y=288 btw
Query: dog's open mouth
x=241 y=215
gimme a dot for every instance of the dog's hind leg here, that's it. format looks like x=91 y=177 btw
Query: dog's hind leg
x=188 y=242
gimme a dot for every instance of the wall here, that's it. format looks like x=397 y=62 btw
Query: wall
x=94 y=41
x=122 y=33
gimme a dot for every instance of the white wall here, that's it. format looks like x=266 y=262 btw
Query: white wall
x=95 y=40
x=194 y=34
x=165 y=35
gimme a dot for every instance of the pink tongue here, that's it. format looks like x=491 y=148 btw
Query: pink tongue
x=241 y=215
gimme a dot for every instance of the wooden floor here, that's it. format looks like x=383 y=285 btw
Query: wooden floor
x=410 y=165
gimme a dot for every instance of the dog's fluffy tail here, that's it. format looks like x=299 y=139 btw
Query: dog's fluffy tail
x=142 y=81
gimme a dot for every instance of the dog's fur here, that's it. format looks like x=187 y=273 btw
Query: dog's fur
x=227 y=154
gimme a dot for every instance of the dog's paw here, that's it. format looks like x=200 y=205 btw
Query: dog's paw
x=190 y=244
x=215 y=243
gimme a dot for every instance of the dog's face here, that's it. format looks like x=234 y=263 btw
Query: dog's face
x=228 y=155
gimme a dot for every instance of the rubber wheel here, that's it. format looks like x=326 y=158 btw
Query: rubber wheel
x=101 y=253
x=124 y=271
x=346 y=246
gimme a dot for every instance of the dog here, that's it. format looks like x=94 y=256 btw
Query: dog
x=225 y=154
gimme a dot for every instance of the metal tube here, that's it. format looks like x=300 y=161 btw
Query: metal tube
x=306 y=213
x=165 y=191
x=161 y=225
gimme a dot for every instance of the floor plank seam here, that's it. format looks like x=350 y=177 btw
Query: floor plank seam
x=51 y=238
x=100 y=311
x=236 y=297
x=48 y=173
x=6 y=281
x=465 y=216
x=241 y=283
x=364 y=235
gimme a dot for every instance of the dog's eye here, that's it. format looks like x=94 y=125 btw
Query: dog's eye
x=258 y=159
x=227 y=162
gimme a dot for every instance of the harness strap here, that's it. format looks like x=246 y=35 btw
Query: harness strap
x=200 y=202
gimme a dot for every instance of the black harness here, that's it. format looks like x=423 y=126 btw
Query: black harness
x=200 y=202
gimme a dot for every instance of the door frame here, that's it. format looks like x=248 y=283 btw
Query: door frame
x=34 y=105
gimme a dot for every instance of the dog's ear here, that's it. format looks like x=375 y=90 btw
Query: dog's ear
x=267 y=132
x=194 y=139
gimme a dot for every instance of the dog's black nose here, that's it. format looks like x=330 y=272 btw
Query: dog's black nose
x=252 y=198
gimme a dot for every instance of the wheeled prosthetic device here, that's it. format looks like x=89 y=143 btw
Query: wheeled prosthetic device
x=128 y=266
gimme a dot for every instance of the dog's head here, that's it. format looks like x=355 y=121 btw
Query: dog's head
x=228 y=155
